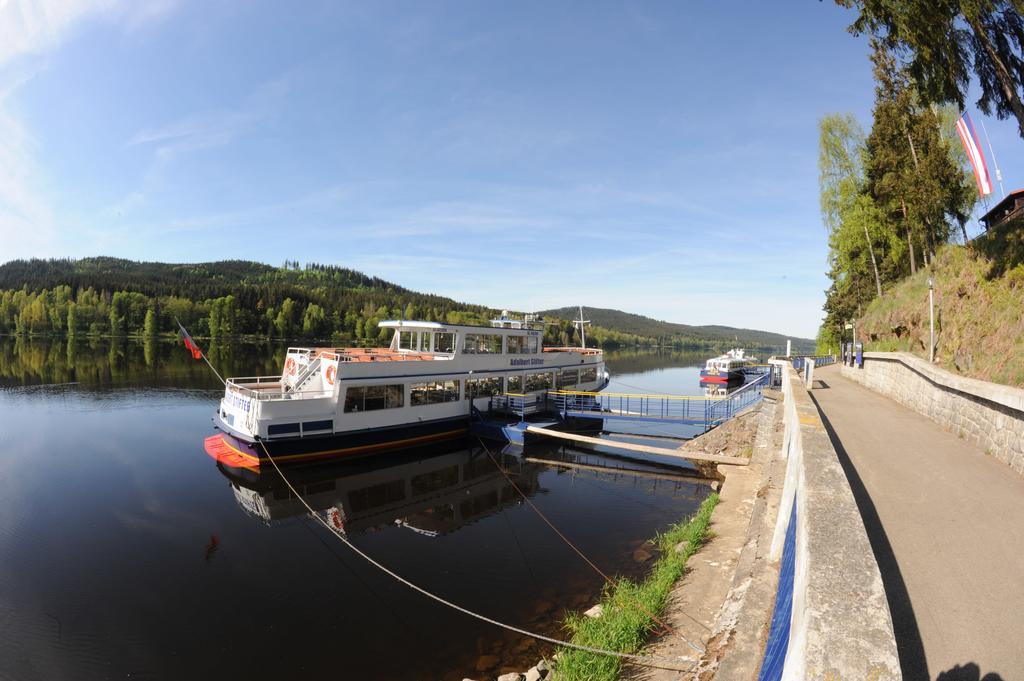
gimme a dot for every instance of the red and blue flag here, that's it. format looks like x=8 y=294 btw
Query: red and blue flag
x=972 y=146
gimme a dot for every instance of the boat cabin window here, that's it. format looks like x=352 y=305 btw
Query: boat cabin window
x=568 y=378
x=310 y=426
x=444 y=342
x=482 y=344
x=409 y=340
x=434 y=392
x=483 y=387
x=372 y=397
x=523 y=345
x=515 y=383
x=588 y=375
x=282 y=429
x=539 y=381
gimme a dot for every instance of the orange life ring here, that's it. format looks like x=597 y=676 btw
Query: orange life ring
x=289 y=366
x=329 y=374
x=337 y=519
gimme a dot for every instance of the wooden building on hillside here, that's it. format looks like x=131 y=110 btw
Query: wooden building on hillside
x=1010 y=208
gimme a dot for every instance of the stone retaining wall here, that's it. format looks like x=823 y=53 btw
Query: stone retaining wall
x=988 y=414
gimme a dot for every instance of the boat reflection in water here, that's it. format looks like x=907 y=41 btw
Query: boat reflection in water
x=447 y=517
x=432 y=491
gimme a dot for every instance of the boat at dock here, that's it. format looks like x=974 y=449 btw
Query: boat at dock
x=330 y=403
x=729 y=368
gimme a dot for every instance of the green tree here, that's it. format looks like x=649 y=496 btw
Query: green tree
x=116 y=314
x=845 y=209
x=943 y=41
x=285 y=322
x=889 y=169
x=150 y=325
x=72 y=319
x=314 y=322
x=223 y=316
x=912 y=169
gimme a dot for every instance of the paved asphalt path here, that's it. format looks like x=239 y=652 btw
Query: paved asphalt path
x=946 y=523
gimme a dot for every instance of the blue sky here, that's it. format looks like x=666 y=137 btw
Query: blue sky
x=655 y=157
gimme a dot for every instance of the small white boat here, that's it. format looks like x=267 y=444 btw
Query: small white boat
x=727 y=368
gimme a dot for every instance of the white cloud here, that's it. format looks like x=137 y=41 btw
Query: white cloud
x=25 y=219
x=214 y=128
x=31 y=28
x=138 y=15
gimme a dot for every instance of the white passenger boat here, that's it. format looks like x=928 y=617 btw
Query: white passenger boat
x=728 y=368
x=331 y=402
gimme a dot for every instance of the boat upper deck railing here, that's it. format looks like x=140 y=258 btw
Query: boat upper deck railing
x=646 y=396
x=270 y=388
x=565 y=348
x=389 y=355
x=370 y=354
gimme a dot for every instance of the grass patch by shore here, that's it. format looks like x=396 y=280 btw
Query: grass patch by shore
x=623 y=626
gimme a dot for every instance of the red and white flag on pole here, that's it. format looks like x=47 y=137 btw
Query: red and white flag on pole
x=973 y=148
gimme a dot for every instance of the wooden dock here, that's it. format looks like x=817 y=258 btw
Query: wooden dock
x=646 y=449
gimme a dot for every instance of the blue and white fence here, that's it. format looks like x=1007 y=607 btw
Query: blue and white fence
x=831 y=616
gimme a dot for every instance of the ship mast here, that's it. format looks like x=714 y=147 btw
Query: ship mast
x=581 y=322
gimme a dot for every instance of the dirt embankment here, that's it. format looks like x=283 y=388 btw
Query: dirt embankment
x=702 y=606
x=735 y=437
x=979 y=310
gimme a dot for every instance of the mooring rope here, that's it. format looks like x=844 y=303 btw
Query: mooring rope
x=636 y=387
x=665 y=627
x=654 y=663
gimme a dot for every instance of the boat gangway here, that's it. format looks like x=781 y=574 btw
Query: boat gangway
x=704 y=411
x=707 y=411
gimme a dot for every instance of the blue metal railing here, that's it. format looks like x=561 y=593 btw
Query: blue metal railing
x=518 y=404
x=684 y=408
x=798 y=361
x=730 y=405
x=706 y=411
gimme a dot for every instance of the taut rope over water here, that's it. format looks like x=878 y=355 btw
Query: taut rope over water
x=653 y=663
x=665 y=627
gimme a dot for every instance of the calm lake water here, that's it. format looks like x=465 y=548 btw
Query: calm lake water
x=128 y=554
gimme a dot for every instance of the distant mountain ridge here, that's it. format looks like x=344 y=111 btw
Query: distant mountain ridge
x=114 y=296
x=628 y=322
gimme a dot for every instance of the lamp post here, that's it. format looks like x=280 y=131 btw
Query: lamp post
x=931 y=319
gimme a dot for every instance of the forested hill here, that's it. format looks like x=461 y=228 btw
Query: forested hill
x=111 y=296
x=234 y=297
x=193 y=280
x=646 y=326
